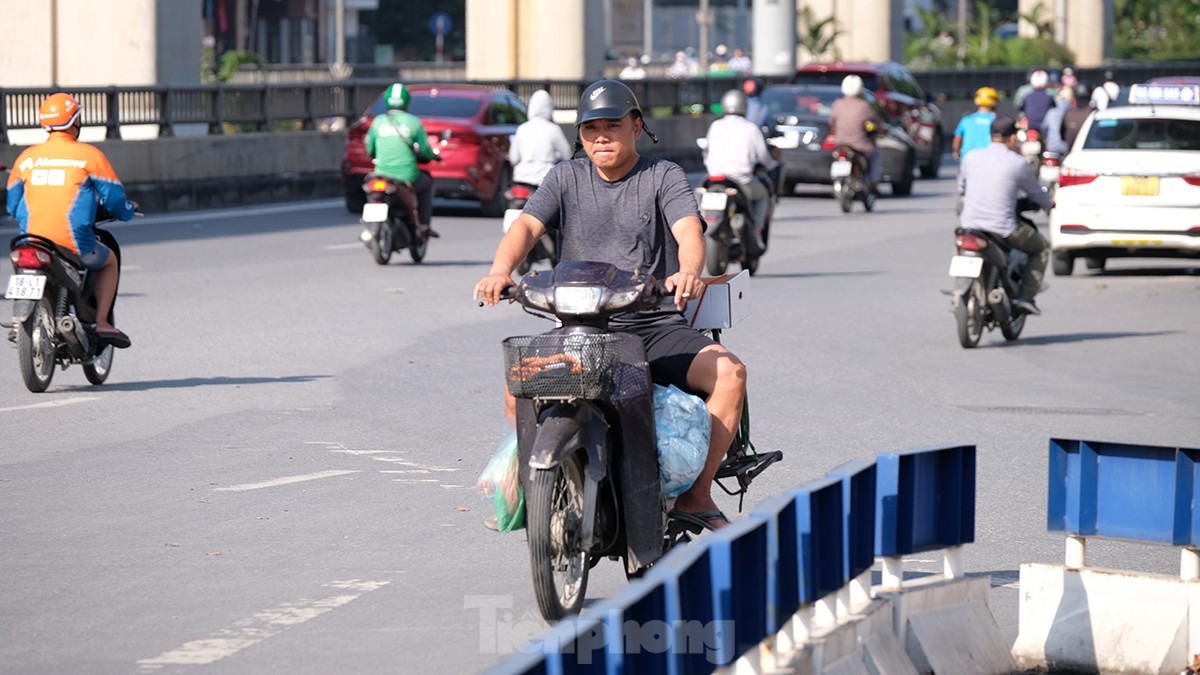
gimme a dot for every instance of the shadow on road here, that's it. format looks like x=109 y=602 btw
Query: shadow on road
x=803 y=275
x=201 y=382
x=1147 y=272
x=441 y=263
x=1081 y=337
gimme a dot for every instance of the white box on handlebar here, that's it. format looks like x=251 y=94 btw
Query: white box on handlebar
x=726 y=301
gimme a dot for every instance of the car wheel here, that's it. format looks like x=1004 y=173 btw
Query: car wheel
x=930 y=168
x=497 y=205
x=903 y=187
x=788 y=188
x=1063 y=264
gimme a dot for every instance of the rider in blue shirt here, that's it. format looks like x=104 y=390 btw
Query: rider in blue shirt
x=975 y=130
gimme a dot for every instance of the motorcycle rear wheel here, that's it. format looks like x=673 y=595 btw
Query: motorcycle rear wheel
x=381 y=245
x=1015 y=325
x=716 y=255
x=969 y=313
x=35 y=348
x=97 y=371
x=555 y=522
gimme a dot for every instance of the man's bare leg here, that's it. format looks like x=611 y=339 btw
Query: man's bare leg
x=106 y=291
x=715 y=369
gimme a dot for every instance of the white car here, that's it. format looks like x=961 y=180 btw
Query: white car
x=1130 y=187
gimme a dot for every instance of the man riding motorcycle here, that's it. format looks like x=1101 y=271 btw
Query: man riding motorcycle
x=974 y=131
x=390 y=142
x=848 y=122
x=990 y=180
x=53 y=191
x=615 y=206
x=735 y=146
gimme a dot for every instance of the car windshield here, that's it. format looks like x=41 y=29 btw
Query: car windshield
x=800 y=101
x=423 y=105
x=870 y=82
x=1143 y=134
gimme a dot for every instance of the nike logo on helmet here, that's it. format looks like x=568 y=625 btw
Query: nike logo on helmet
x=596 y=94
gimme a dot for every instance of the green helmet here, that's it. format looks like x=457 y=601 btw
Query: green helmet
x=396 y=97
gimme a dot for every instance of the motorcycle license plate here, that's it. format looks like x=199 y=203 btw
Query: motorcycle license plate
x=509 y=216
x=966 y=266
x=1048 y=174
x=1031 y=148
x=713 y=201
x=376 y=212
x=839 y=169
x=25 y=287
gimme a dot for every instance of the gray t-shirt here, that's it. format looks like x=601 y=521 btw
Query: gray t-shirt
x=626 y=222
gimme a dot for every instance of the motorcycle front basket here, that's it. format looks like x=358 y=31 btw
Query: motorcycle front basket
x=561 y=366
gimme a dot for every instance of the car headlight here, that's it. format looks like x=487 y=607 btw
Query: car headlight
x=577 y=299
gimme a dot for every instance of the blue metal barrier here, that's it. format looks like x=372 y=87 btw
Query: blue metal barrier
x=858 y=508
x=1116 y=490
x=925 y=500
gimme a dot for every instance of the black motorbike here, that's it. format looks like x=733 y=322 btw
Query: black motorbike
x=390 y=219
x=545 y=249
x=988 y=276
x=54 y=310
x=585 y=433
x=849 y=172
x=730 y=224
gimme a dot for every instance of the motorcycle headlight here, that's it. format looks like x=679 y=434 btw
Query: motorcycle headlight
x=536 y=297
x=623 y=299
x=577 y=299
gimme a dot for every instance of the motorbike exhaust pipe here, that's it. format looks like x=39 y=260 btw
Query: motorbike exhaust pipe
x=76 y=338
x=998 y=299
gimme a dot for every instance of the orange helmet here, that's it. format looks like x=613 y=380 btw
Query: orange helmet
x=58 y=112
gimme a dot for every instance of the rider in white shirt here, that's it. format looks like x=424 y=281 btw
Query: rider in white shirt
x=735 y=145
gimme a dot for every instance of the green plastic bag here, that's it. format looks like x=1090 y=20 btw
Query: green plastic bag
x=500 y=481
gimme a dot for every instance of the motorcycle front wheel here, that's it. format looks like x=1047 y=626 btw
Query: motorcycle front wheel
x=35 y=347
x=418 y=252
x=969 y=313
x=1015 y=325
x=97 y=371
x=555 y=521
x=845 y=197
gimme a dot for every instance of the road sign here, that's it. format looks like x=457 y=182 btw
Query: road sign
x=440 y=23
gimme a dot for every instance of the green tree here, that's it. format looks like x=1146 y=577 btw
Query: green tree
x=817 y=36
x=1157 y=30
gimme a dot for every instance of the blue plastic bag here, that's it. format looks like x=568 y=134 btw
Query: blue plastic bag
x=682 y=429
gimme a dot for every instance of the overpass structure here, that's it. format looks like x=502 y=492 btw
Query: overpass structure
x=565 y=39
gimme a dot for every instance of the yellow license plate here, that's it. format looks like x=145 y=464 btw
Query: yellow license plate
x=1139 y=186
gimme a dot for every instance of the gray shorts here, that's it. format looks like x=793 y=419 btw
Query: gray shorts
x=95 y=258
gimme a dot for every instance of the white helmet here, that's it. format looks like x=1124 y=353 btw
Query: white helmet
x=852 y=85
x=1038 y=79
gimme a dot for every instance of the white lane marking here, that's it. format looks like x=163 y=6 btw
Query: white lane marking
x=284 y=481
x=249 y=632
x=414 y=480
x=51 y=404
x=342 y=247
x=402 y=462
x=220 y=214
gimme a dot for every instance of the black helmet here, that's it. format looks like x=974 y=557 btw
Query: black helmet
x=733 y=102
x=606 y=100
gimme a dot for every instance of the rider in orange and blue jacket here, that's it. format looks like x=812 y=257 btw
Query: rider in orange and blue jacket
x=53 y=191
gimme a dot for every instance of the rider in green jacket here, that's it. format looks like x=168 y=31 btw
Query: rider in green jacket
x=397 y=142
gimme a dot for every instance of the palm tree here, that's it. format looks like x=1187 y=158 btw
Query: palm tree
x=817 y=37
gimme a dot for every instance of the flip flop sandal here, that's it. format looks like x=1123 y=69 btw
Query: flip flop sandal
x=115 y=338
x=700 y=519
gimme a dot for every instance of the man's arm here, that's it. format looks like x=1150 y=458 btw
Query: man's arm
x=1033 y=189
x=689 y=234
x=514 y=246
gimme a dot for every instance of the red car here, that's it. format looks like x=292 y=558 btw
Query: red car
x=469 y=127
x=898 y=92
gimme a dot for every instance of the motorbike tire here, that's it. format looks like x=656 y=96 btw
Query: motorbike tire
x=751 y=265
x=554 y=514
x=523 y=267
x=97 y=371
x=35 y=351
x=969 y=314
x=868 y=199
x=845 y=198
x=716 y=255
x=417 y=252
x=1015 y=325
x=381 y=245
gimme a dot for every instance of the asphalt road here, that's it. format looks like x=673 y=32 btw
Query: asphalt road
x=279 y=475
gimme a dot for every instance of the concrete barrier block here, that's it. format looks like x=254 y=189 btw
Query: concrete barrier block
x=930 y=593
x=848 y=665
x=1109 y=621
x=884 y=655
x=962 y=639
x=826 y=647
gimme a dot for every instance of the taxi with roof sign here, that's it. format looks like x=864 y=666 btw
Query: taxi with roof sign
x=1130 y=187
